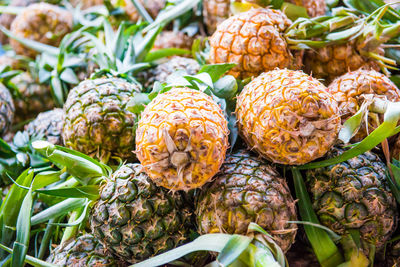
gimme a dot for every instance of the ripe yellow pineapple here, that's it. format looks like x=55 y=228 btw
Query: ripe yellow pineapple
x=153 y=7
x=41 y=22
x=288 y=117
x=216 y=11
x=181 y=139
x=332 y=61
x=254 y=41
x=349 y=91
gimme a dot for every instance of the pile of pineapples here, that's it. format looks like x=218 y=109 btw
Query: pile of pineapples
x=199 y=133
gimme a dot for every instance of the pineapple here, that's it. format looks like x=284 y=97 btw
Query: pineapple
x=354 y=195
x=161 y=72
x=254 y=41
x=153 y=7
x=248 y=190
x=314 y=7
x=173 y=39
x=288 y=117
x=135 y=219
x=181 y=139
x=35 y=97
x=40 y=22
x=86 y=3
x=96 y=120
x=332 y=61
x=7 y=19
x=48 y=125
x=82 y=251
x=6 y=110
x=349 y=91
x=216 y=11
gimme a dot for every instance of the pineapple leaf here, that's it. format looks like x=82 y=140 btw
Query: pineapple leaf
x=385 y=130
x=29 y=259
x=165 y=52
x=324 y=248
x=89 y=191
x=69 y=76
x=293 y=11
x=58 y=210
x=14 y=10
x=37 y=46
x=138 y=103
x=23 y=226
x=216 y=71
x=226 y=87
x=233 y=248
x=142 y=11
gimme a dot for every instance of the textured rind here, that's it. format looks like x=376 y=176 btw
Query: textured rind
x=215 y=12
x=173 y=39
x=248 y=190
x=349 y=89
x=332 y=61
x=161 y=72
x=253 y=40
x=83 y=251
x=96 y=118
x=153 y=7
x=48 y=125
x=35 y=97
x=40 y=22
x=354 y=195
x=314 y=7
x=135 y=219
x=196 y=126
x=7 y=19
x=288 y=117
x=6 y=110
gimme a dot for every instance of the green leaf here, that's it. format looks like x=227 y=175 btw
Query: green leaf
x=90 y=192
x=69 y=76
x=31 y=260
x=23 y=226
x=324 y=248
x=209 y=242
x=226 y=87
x=14 y=10
x=77 y=164
x=216 y=71
x=138 y=103
x=45 y=178
x=37 y=46
x=57 y=210
x=293 y=11
x=232 y=250
x=166 y=52
x=352 y=125
x=57 y=90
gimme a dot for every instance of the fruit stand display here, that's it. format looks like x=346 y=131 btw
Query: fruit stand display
x=199 y=133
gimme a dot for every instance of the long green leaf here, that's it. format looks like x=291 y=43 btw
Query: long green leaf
x=31 y=260
x=324 y=248
x=209 y=242
x=57 y=210
x=232 y=250
x=23 y=226
x=90 y=191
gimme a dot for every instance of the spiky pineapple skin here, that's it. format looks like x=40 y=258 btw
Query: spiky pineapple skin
x=253 y=41
x=135 y=219
x=153 y=7
x=35 y=97
x=161 y=72
x=40 y=22
x=331 y=61
x=82 y=251
x=173 y=39
x=215 y=12
x=288 y=117
x=7 y=19
x=6 y=110
x=314 y=7
x=349 y=91
x=354 y=195
x=97 y=121
x=48 y=125
x=248 y=190
x=181 y=139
